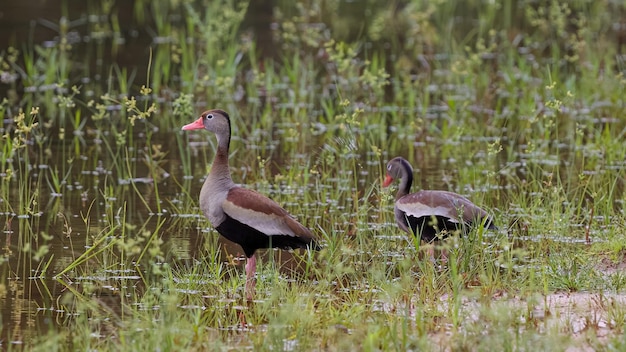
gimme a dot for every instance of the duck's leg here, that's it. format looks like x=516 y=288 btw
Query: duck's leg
x=250 y=277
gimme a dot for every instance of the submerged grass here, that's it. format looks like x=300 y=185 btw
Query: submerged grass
x=520 y=112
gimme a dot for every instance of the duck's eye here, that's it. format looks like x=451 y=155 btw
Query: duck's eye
x=209 y=116
x=389 y=167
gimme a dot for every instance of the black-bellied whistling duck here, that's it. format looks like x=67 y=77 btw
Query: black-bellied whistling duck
x=431 y=214
x=241 y=215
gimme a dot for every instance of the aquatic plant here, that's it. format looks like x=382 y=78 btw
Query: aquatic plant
x=105 y=247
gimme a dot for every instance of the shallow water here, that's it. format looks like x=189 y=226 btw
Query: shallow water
x=101 y=196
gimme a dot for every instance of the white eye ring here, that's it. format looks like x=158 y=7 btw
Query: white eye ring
x=209 y=116
x=389 y=167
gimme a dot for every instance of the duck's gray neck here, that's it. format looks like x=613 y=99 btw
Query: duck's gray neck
x=405 y=181
x=220 y=169
x=217 y=184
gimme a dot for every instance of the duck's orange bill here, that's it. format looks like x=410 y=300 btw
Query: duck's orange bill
x=387 y=181
x=194 y=125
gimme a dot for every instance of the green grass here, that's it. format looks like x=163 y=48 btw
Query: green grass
x=520 y=110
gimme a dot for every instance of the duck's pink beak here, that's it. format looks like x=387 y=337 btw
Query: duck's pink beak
x=387 y=181
x=196 y=125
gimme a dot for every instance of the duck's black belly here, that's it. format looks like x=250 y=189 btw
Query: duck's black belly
x=251 y=239
x=430 y=228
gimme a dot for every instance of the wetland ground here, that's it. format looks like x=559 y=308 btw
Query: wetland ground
x=518 y=105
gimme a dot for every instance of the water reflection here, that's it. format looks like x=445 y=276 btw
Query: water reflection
x=94 y=189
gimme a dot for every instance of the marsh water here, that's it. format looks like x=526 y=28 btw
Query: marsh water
x=87 y=183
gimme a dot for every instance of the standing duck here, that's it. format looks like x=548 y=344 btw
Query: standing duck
x=241 y=215
x=431 y=214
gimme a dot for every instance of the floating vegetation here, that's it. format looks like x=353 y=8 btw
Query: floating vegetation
x=517 y=105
